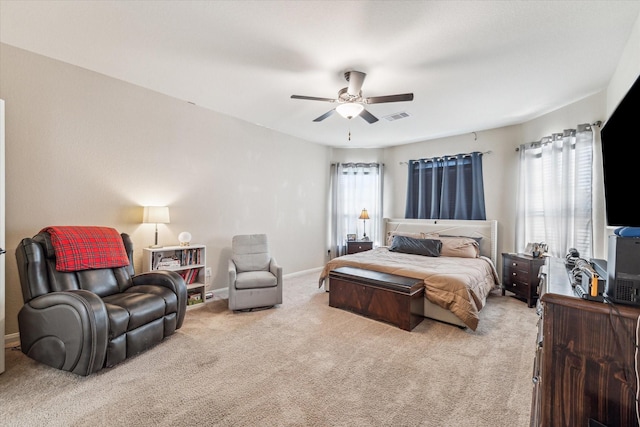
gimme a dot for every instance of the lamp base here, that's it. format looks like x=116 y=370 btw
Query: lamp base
x=156 y=246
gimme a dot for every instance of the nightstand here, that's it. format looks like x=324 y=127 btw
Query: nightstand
x=356 y=246
x=520 y=276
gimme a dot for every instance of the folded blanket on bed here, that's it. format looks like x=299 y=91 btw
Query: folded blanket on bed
x=87 y=247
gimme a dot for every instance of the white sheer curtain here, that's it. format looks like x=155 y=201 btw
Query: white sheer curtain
x=555 y=192
x=355 y=186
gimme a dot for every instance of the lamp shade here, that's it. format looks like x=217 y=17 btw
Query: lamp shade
x=156 y=215
x=364 y=214
x=349 y=110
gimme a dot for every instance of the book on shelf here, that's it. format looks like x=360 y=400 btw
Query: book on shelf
x=165 y=263
x=194 y=299
x=193 y=273
x=191 y=256
x=190 y=275
x=163 y=266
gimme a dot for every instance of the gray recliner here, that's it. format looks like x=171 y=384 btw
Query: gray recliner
x=255 y=279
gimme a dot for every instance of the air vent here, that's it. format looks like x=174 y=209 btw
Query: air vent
x=397 y=116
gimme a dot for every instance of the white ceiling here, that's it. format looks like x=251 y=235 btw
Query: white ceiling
x=472 y=65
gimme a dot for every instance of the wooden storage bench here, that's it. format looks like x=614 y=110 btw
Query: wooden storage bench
x=387 y=297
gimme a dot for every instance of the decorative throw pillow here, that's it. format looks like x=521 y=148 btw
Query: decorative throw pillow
x=392 y=234
x=416 y=235
x=409 y=245
x=461 y=247
x=477 y=239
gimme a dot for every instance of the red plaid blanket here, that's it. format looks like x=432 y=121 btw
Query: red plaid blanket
x=84 y=248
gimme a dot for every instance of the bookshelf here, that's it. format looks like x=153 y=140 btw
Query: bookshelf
x=188 y=261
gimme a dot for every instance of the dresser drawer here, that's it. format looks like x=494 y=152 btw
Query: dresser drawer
x=510 y=275
x=520 y=288
x=517 y=264
x=359 y=246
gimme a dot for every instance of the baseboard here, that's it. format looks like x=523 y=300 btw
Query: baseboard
x=12 y=340
x=300 y=273
x=223 y=293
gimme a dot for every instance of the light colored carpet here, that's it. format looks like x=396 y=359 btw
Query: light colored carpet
x=300 y=364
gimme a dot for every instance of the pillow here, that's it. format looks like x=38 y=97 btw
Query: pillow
x=477 y=239
x=417 y=235
x=392 y=234
x=409 y=245
x=461 y=247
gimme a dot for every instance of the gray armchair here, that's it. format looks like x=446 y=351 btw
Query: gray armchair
x=255 y=279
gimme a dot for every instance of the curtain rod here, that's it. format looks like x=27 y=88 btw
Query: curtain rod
x=357 y=164
x=549 y=138
x=442 y=157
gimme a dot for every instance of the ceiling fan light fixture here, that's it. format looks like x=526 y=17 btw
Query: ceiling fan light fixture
x=349 y=110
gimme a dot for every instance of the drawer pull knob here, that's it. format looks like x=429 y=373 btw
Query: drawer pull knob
x=514 y=274
x=535 y=379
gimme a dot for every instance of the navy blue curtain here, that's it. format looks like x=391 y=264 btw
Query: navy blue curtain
x=449 y=187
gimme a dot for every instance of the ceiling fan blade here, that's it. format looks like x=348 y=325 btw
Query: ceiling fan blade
x=356 y=78
x=389 y=98
x=368 y=116
x=324 y=116
x=312 y=98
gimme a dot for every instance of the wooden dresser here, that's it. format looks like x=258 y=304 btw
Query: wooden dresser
x=584 y=368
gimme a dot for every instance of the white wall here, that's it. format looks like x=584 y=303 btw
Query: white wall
x=627 y=70
x=3 y=256
x=83 y=148
x=586 y=110
x=86 y=149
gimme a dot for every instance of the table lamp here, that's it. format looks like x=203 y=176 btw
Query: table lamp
x=364 y=216
x=156 y=215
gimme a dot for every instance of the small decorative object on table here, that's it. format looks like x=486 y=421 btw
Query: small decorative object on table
x=536 y=249
x=184 y=238
x=351 y=237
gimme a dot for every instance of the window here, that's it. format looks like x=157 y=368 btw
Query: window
x=355 y=186
x=555 y=193
x=450 y=187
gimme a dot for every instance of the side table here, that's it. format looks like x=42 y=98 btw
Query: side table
x=520 y=276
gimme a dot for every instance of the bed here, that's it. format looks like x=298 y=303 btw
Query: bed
x=456 y=284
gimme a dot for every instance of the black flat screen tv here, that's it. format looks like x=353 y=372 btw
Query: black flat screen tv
x=621 y=161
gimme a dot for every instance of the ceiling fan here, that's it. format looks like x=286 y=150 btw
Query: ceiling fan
x=350 y=100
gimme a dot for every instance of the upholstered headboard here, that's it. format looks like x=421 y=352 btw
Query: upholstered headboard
x=487 y=230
